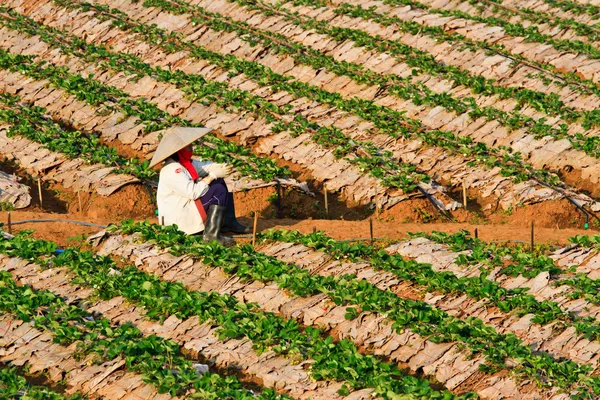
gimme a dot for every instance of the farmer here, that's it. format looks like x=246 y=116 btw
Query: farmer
x=191 y=193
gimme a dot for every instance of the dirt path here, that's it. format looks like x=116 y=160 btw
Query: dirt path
x=391 y=230
x=63 y=233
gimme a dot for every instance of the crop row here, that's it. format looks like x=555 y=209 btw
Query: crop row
x=245 y=129
x=465 y=289
x=455 y=168
x=97 y=341
x=13 y=385
x=562 y=41
x=420 y=61
x=404 y=89
x=379 y=164
x=370 y=297
x=162 y=299
x=564 y=10
x=380 y=115
x=369 y=329
x=373 y=41
x=525 y=18
x=549 y=277
x=477 y=37
x=122 y=121
x=400 y=45
x=193 y=337
x=428 y=139
x=579 y=139
x=38 y=160
x=13 y=194
x=34 y=348
x=141 y=112
x=569 y=296
x=454 y=100
x=570 y=269
x=31 y=122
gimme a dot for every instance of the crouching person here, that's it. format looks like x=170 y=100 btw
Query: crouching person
x=192 y=193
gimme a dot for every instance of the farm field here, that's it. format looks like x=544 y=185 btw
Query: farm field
x=424 y=176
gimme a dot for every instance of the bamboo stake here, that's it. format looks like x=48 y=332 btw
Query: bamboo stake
x=532 y=235
x=326 y=203
x=279 y=201
x=464 y=190
x=162 y=220
x=40 y=192
x=79 y=194
x=371 y=229
x=9 y=224
x=476 y=234
x=254 y=231
x=314 y=229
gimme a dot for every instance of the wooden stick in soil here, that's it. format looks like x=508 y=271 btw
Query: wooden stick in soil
x=326 y=202
x=254 y=230
x=279 y=201
x=464 y=191
x=371 y=229
x=9 y=224
x=79 y=194
x=532 y=235
x=162 y=220
x=40 y=192
x=476 y=234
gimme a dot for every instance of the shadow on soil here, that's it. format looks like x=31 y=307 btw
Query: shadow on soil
x=50 y=197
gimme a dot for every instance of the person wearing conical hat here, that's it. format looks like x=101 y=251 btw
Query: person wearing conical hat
x=192 y=193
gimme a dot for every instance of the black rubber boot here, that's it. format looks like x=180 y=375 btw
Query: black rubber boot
x=212 y=228
x=230 y=222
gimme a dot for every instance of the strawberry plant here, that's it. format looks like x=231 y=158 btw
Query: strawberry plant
x=163 y=298
x=346 y=290
x=160 y=361
x=15 y=386
x=30 y=122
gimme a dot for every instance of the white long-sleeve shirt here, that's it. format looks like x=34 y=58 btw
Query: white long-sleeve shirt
x=176 y=194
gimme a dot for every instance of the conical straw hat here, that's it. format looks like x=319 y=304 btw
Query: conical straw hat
x=175 y=139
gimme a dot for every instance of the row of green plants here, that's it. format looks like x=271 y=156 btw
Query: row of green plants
x=338 y=361
x=106 y=97
x=574 y=6
x=159 y=361
x=537 y=17
x=531 y=33
x=548 y=103
x=420 y=94
x=417 y=93
x=370 y=159
x=510 y=163
x=539 y=128
x=522 y=261
x=423 y=62
x=32 y=123
x=385 y=119
x=360 y=295
x=15 y=386
x=477 y=288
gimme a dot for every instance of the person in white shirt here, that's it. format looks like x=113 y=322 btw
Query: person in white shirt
x=191 y=193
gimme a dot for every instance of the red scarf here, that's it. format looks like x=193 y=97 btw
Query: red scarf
x=185 y=159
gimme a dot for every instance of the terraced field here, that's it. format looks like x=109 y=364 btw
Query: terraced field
x=435 y=316
x=377 y=103
x=473 y=112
